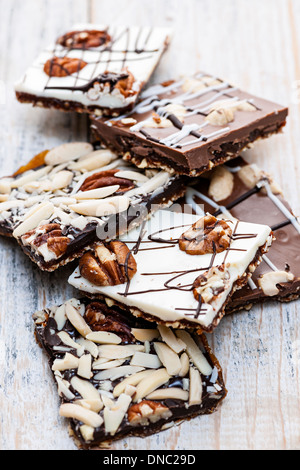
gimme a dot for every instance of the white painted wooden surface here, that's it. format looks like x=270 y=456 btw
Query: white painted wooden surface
x=255 y=44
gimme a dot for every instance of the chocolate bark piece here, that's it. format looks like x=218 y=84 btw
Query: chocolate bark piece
x=173 y=286
x=190 y=125
x=244 y=191
x=96 y=69
x=66 y=198
x=118 y=376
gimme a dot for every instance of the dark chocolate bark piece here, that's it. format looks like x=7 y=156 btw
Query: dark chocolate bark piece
x=94 y=69
x=65 y=199
x=246 y=192
x=118 y=376
x=190 y=125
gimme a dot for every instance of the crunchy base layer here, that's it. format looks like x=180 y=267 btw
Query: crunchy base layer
x=74 y=106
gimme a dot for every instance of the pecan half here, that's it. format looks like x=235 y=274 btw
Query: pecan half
x=84 y=39
x=107 y=178
x=147 y=411
x=111 y=264
x=210 y=284
x=63 y=66
x=125 y=85
x=50 y=234
x=100 y=317
x=207 y=235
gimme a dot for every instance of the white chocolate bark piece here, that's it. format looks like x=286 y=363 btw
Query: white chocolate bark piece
x=125 y=50
x=162 y=288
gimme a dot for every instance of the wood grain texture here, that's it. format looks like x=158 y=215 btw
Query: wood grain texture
x=255 y=45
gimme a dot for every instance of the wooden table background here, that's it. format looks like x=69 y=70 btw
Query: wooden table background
x=254 y=44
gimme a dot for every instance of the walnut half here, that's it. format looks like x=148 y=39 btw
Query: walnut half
x=207 y=235
x=111 y=264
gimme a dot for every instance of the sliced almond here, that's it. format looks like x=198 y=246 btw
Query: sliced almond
x=132 y=175
x=98 y=193
x=174 y=393
x=103 y=207
x=158 y=181
x=114 y=416
x=85 y=366
x=77 y=320
x=67 y=152
x=194 y=352
x=5 y=185
x=131 y=381
x=195 y=394
x=103 y=364
x=87 y=390
x=32 y=175
x=116 y=373
x=4 y=197
x=149 y=361
x=61 y=180
x=143 y=334
x=168 y=358
x=70 y=410
x=169 y=337
x=104 y=337
x=41 y=214
x=119 y=352
x=221 y=184
x=87 y=432
x=66 y=339
x=149 y=384
x=60 y=316
x=69 y=361
x=94 y=160
x=8 y=205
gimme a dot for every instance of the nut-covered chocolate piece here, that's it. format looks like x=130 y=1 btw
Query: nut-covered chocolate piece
x=84 y=39
x=207 y=235
x=104 y=394
x=63 y=66
x=110 y=264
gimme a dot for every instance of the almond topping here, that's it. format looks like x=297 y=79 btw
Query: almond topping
x=195 y=395
x=103 y=337
x=133 y=380
x=143 y=335
x=77 y=320
x=169 y=337
x=150 y=361
x=168 y=357
x=174 y=393
x=149 y=384
x=269 y=281
x=67 y=152
x=43 y=212
x=194 y=352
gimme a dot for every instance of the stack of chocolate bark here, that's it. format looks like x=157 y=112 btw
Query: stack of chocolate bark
x=168 y=226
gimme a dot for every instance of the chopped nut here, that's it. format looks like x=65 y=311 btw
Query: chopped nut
x=94 y=160
x=207 y=235
x=67 y=152
x=87 y=390
x=87 y=432
x=221 y=184
x=118 y=351
x=101 y=207
x=147 y=411
x=269 y=281
x=116 y=373
x=220 y=117
x=85 y=366
x=68 y=362
x=185 y=365
x=43 y=212
x=112 y=264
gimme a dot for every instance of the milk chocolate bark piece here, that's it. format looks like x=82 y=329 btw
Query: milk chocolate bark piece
x=190 y=125
x=184 y=268
x=94 y=69
x=66 y=198
x=246 y=192
x=118 y=376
